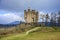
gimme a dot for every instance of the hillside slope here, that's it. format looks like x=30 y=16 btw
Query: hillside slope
x=34 y=36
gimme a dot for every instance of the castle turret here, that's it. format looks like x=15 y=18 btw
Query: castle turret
x=31 y=16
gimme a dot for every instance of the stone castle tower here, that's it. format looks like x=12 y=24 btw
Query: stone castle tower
x=31 y=16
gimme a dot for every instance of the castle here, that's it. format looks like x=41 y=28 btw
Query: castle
x=31 y=16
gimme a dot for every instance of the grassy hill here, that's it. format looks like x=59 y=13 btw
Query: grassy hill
x=34 y=35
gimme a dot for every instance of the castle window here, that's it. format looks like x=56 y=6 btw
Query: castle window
x=25 y=17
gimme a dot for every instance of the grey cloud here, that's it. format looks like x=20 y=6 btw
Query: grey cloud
x=20 y=5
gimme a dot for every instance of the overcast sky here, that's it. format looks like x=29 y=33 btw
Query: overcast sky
x=17 y=7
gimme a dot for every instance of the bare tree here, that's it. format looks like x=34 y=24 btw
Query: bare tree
x=52 y=19
x=59 y=17
x=42 y=17
x=47 y=17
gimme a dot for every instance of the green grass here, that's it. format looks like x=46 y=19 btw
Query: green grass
x=38 y=33
x=34 y=36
